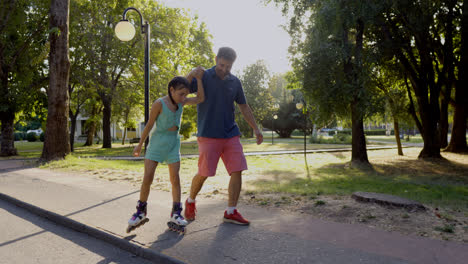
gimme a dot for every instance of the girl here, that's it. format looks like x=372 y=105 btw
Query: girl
x=164 y=146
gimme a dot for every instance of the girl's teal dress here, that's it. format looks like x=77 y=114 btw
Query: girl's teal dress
x=164 y=145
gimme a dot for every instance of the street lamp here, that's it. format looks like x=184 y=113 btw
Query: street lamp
x=299 y=106
x=272 y=127
x=125 y=31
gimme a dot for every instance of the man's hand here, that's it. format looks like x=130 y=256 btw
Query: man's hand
x=198 y=72
x=137 y=150
x=259 y=136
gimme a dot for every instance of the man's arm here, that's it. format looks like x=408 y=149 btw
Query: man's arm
x=248 y=116
x=198 y=71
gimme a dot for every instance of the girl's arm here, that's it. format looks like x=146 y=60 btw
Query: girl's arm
x=201 y=91
x=154 y=113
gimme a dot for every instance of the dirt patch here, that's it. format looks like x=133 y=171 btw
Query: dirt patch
x=434 y=223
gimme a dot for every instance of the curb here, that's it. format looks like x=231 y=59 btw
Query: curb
x=145 y=253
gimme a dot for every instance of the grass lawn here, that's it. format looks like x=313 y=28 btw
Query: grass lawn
x=432 y=183
x=34 y=149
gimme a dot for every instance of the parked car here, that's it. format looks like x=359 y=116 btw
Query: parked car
x=37 y=131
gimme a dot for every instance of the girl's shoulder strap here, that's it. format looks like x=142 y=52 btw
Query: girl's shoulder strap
x=163 y=102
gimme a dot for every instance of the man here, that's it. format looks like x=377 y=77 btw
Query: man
x=218 y=134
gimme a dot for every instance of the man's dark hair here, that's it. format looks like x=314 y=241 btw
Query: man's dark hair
x=227 y=53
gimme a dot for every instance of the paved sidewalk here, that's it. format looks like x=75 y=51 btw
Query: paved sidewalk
x=101 y=208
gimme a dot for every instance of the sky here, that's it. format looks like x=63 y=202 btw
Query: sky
x=250 y=27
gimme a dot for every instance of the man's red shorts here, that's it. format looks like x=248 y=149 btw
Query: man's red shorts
x=211 y=149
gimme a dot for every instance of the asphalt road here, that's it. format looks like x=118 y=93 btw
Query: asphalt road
x=26 y=238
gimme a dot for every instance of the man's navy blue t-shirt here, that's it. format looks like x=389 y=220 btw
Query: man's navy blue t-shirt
x=216 y=113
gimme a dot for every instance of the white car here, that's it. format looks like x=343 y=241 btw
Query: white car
x=37 y=131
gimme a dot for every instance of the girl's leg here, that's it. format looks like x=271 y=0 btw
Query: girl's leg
x=150 y=168
x=175 y=181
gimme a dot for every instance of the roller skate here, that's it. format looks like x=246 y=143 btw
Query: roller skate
x=139 y=218
x=177 y=222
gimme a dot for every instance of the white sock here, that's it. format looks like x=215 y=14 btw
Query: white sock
x=230 y=210
x=190 y=200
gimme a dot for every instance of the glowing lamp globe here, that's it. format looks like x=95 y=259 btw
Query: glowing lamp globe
x=124 y=30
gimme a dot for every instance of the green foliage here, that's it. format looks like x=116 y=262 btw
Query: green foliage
x=42 y=137
x=336 y=139
x=114 y=70
x=23 y=49
x=375 y=132
x=255 y=83
x=32 y=137
x=19 y=136
x=186 y=129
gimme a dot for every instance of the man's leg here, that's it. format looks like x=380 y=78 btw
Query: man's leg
x=197 y=184
x=235 y=186
x=190 y=208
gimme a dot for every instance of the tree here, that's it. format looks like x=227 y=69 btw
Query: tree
x=254 y=81
x=420 y=34
x=57 y=141
x=178 y=43
x=329 y=58
x=388 y=80
x=458 y=139
x=23 y=48
x=125 y=105
x=289 y=118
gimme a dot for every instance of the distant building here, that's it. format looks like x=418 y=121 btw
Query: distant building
x=116 y=131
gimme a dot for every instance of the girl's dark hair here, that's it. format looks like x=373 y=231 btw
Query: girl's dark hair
x=177 y=83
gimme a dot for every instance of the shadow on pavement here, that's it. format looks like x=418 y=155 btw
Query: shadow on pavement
x=57 y=230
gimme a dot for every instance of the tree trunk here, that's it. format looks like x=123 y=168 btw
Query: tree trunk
x=57 y=137
x=431 y=137
x=124 y=135
x=73 y=128
x=458 y=139
x=448 y=74
x=106 y=124
x=90 y=134
x=8 y=139
x=359 y=151
x=396 y=128
x=444 y=125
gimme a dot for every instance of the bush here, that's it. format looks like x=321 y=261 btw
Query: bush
x=42 y=137
x=375 y=132
x=317 y=139
x=344 y=132
x=342 y=139
x=19 y=136
x=32 y=137
x=337 y=139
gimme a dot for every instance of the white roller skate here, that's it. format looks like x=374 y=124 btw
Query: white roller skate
x=139 y=218
x=177 y=222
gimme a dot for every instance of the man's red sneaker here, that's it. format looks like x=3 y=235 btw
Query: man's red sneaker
x=190 y=211
x=235 y=218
